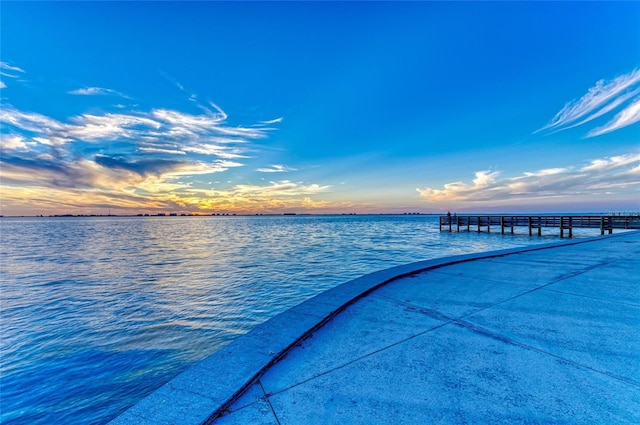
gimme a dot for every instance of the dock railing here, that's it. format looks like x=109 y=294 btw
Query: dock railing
x=536 y=223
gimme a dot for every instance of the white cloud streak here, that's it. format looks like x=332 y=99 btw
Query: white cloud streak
x=160 y=150
x=5 y=66
x=487 y=188
x=220 y=113
x=8 y=67
x=626 y=117
x=108 y=126
x=274 y=121
x=12 y=142
x=29 y=121
x=98 y=91
x=275 y=169
x=601 y=99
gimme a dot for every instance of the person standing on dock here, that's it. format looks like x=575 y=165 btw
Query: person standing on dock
x=449 y=216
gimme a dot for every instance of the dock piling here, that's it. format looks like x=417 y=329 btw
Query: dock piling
x=604 y=223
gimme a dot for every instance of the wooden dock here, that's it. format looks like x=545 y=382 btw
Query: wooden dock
x=507 y=223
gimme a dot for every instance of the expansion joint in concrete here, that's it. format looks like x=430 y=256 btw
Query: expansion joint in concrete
x=498 y=337
x=266 y=399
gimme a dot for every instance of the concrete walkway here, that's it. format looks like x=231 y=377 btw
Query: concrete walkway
x=550 y=336
x=543 y=334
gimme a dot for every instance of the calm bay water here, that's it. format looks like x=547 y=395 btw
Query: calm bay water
x=98 y=312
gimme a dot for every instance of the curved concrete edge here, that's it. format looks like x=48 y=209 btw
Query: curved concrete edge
x=201 y=393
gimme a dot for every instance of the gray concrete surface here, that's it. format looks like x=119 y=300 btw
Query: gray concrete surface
x=548 y=336
x=543 y=334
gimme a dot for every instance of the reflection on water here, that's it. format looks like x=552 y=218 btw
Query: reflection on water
x=97 y=312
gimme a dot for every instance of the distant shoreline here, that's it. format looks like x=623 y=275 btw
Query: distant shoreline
x=292 y=214
x=215 y=215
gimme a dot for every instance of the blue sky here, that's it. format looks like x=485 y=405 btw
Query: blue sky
x=319 y=107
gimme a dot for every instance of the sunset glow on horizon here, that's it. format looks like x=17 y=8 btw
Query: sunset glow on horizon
x=314 y=107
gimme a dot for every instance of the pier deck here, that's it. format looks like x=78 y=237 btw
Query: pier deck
x=536 y=223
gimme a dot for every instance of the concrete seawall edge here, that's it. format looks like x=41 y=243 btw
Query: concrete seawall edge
x=202 y=392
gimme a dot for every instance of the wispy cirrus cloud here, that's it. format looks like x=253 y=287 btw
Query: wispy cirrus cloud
x=274 y=121
x=109 y=126
x=163 y=167
x=7 y=67
x=622 y=93
x=630 y=115
x=13 y=142
x=159 y=130
x=7 y=70
x=600 y=175
x=155 y=146
x=276 y=168
x=270 y=197
x=153 y=159
x=29 y=121
x=280 y=188
x=97 y=91
x=155 y=194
